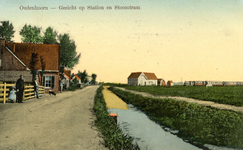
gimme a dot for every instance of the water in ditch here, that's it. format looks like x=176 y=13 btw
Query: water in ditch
x=146 y=133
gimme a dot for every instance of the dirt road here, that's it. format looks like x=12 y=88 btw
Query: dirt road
x=51 y=123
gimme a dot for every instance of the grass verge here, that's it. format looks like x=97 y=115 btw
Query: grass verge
x=196 y=123
x=113 y=136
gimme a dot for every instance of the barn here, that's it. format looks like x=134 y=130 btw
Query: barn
x=142 y=79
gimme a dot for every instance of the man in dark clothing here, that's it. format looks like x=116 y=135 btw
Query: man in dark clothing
x=20 y=89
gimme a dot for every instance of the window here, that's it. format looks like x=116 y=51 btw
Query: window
x=49 y=81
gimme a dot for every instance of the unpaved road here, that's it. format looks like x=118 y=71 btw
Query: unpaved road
x=64 y=122
x=189 y=100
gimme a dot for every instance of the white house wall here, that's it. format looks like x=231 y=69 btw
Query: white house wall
x=142 y=79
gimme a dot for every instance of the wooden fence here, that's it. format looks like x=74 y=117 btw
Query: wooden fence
x=28 y=91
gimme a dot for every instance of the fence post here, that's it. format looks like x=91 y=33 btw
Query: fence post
x=24 y=93
x=4 y=92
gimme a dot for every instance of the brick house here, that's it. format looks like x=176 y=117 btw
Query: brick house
x=142 y=78
x=161 y=82
x=17 y=56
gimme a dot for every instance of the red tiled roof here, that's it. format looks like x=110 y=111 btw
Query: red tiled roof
x=150 y=76
x=135 y=75
x=170 y=81
x=50 y=53
x=77 y=77
x=68 y=73
x=66 y=76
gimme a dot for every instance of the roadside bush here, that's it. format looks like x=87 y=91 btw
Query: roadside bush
x=72 y=88
x=196 y=123
x=113 y=136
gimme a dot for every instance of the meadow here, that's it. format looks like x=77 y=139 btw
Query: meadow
x=196 y=123
x=232 y=95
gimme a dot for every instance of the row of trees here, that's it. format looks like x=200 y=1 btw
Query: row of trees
x=32 y=34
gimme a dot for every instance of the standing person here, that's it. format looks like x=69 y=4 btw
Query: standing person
x=36 y=87
x=12 y=96
x=61 y=87
x=20 y=89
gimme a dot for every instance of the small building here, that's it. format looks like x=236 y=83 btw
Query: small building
x=142 y=79
x=66 y=79
x=78 y=79
x=161 y=82
x=170 y=83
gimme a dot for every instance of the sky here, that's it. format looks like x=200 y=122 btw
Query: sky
x=178 y=40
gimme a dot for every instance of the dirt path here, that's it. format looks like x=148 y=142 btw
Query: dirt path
x=51 y=123
x=190 y=100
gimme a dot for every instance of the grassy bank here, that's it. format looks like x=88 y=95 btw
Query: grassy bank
x=223 y=95
x=114 y=139
x=197 y=124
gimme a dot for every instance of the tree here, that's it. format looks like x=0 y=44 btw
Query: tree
x=75 y=81
x=84 y=77
x=6 y=31
x=33 y=65
x=72 y=75
x=50 y=36
x=31 y=34
x=43 y=67
x=69 y=56
x=93 y=78
x=79 y=74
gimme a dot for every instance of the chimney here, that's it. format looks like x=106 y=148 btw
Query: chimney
x=14 y=48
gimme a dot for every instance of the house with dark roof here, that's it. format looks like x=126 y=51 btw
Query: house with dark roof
x=15 y=58
x=142 y=78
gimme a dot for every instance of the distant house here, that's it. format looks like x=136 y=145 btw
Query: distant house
x=142 y=78
x=76 y=77
x=161 y=82
x=15 y=61
x=170 y=83
x=66 y=79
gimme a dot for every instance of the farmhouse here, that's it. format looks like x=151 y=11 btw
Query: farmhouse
x=15 y=61
x=142 y=78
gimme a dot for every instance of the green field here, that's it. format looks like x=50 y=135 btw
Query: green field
x=196 y=123
x=224 y=95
